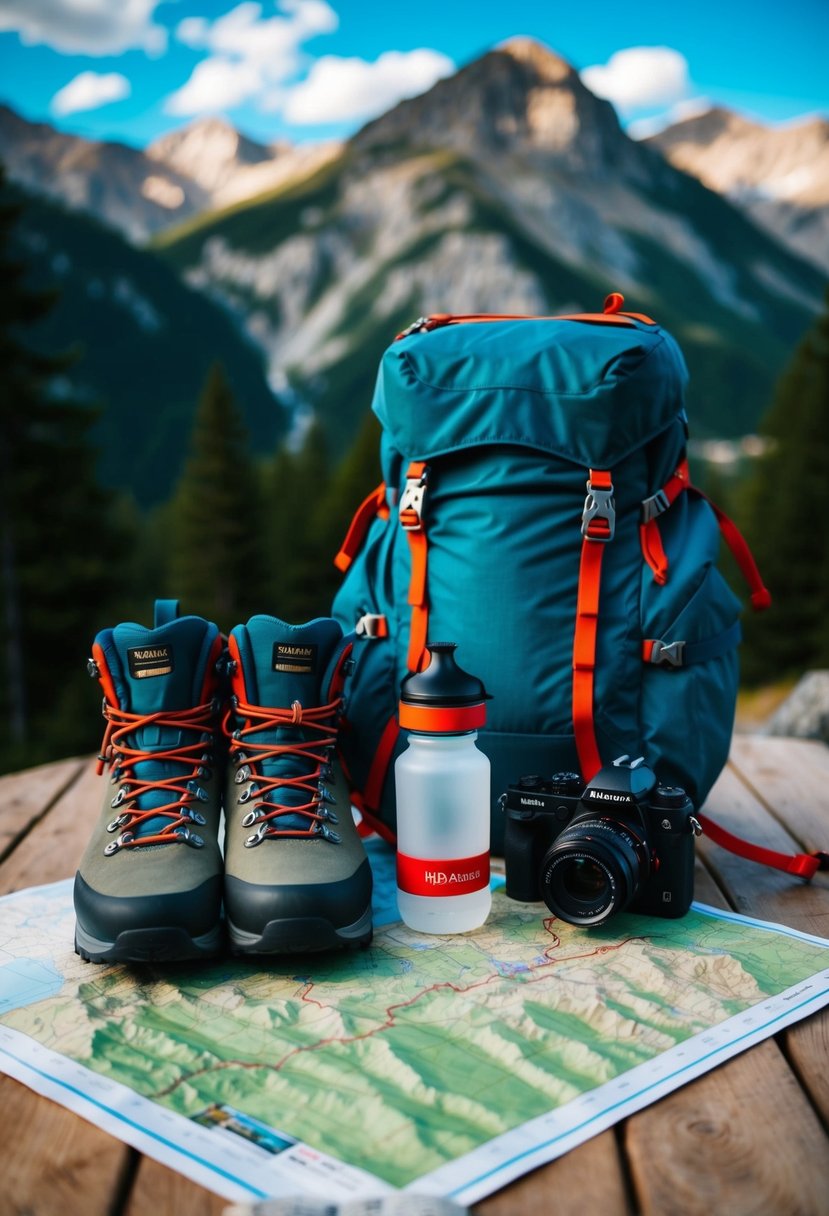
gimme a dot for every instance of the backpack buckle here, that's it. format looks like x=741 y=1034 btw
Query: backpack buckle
x=598 y=520
x=411 y=502
x=372 y=625
x=669 y=654
x=654 y=506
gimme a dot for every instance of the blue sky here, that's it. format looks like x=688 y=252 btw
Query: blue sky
x=314 y=69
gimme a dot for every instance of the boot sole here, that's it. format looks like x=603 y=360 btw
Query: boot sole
x=166 y=944
x=301 y=935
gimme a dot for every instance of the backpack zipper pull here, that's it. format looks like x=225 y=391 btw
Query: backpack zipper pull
x=423 y=324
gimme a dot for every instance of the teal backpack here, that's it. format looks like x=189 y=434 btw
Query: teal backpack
x=536 y=509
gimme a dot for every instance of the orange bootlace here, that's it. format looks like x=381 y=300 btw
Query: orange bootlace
x=116 y=750
x=248 y=754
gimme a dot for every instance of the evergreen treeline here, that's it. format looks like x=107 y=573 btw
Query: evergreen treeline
x=61 y=543
x=786 y=519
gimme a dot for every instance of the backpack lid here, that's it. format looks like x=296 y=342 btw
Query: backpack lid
x=582 y=390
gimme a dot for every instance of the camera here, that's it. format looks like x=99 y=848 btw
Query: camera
x=622 y=842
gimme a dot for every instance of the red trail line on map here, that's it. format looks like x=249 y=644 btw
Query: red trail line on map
x=391 y=1010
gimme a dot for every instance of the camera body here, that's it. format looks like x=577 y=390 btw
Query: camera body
x=622 y=842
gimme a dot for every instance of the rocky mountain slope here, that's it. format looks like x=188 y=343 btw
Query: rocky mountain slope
x=199 y=168
x=508 y=187
x=778 y=175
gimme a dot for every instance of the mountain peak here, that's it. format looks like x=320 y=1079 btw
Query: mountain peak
x=209 y=151
x=520 y=99
x=549 y=65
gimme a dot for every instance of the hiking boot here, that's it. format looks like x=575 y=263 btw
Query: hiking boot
x=149 y=886
x=296 y=874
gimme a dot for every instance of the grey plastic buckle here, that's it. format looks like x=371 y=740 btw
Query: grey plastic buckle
x=371 y=625
x=654 y=506
x=411 y=501
x=598 y=505
x=671 y=654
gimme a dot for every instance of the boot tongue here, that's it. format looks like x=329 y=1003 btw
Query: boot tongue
x=163 y=668
x=287 y=662
x=155 y=670
x=282 y=664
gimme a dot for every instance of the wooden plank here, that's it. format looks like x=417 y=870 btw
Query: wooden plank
x=25 y=796
x=588 y=1179
x=791 y=776
x=700 y=1151
x=158 y=1190
x=53 y=848
x=769 y=894
x=753 y=889
x=52 y=1160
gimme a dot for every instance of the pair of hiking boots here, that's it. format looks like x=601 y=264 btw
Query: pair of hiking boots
x=197 y=723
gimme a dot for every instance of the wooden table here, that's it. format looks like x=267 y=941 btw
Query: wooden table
x=749 y=1137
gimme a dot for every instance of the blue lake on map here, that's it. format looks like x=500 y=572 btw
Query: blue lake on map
x=25 y=981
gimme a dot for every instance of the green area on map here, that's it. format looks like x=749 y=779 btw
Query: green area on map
x=402 y=1057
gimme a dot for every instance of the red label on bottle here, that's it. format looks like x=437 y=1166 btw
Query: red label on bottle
x=457 y=876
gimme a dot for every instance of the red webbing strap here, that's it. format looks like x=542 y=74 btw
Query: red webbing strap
x=373 y=504
x=373 y=788
x=649 y=535
x=411 y=520
x=803 y=865
x=597 y=529
x=368 y=802
x=653 y=550
x=737 y=543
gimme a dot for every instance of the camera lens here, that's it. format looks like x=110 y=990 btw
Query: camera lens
x=592 y=870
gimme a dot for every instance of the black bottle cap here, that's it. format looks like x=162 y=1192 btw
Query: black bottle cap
x=442 y=686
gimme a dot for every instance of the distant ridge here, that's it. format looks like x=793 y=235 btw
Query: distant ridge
x=201 y=167
x=778 y=175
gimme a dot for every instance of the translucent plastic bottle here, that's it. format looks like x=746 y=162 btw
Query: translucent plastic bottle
x=443 y=800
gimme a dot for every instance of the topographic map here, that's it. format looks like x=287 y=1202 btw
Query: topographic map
x=447 y=1064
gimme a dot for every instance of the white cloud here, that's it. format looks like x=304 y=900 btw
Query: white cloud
x=85 y=27
x=90 y=90
x=216 y=84
x=344 y=90
x=639 y=77
x=249 y=54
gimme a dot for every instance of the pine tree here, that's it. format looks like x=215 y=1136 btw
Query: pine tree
x=59 y=550
x=787 y=518
x=215 y=515
x=297 y=486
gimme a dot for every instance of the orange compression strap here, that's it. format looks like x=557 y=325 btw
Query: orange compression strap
x=653 y=550
x=373 y=788
x=803 y=865
x=598 y=525
x=737 y=543
x=649 y=535
x=411 y=520
x=372 y=505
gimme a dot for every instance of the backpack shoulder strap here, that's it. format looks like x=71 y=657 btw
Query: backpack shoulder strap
x=597 y=528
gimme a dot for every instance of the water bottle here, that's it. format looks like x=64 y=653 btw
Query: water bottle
x=443 y=799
